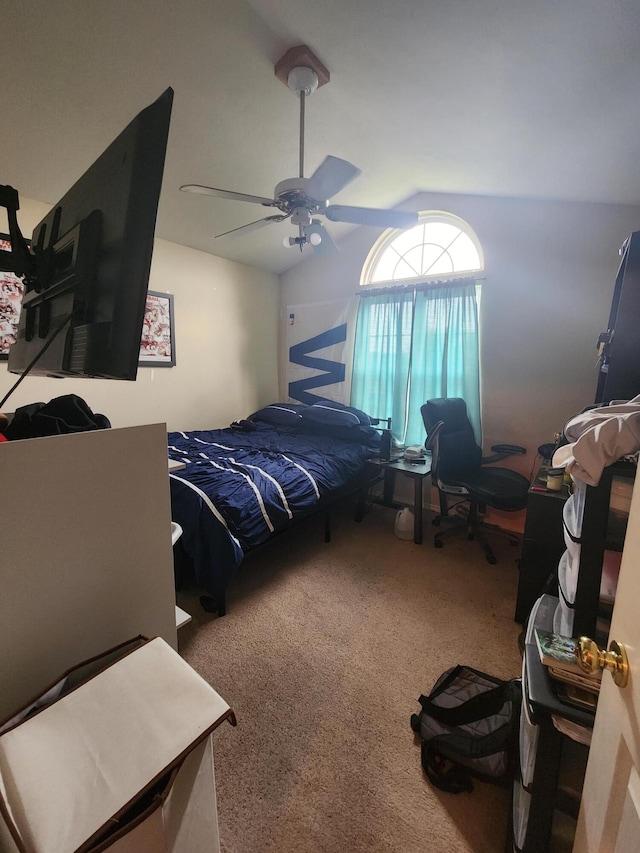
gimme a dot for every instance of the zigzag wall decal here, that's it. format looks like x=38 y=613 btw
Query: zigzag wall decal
x=334 y=371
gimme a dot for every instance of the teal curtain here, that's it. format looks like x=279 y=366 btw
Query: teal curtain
x=382 y=355
x=413 y=344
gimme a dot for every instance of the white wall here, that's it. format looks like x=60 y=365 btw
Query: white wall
x=550 y=269
x=226 y=319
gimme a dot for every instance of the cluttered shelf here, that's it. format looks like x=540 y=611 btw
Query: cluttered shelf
x=583 y=528
x=555 y=732
x=554 y=738
x=553 y=540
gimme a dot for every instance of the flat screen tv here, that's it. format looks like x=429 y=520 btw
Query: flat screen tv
x=85 y=291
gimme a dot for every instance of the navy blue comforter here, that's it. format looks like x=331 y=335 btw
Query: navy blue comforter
x=239 y=487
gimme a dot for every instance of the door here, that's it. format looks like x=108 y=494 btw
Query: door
x=609 y=820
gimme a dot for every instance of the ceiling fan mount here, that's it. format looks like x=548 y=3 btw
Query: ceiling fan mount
x=300 y=198
x=300 y=57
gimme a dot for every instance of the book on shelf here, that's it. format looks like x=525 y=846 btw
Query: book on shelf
x=577 y=732
x=582 y=680
x=558 y=651
x=560 y=655
x=577 y=696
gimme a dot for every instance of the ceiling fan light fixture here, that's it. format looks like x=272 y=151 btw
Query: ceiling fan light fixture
x=300 y=242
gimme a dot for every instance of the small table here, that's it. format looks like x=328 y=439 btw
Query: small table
x=417 y=471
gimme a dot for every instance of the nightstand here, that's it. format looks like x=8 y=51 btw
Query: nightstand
x=417 y=471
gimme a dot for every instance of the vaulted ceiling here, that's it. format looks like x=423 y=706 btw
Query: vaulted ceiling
x=497 y=97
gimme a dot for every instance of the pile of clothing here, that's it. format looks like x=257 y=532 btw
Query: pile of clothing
x=59 y=416
x=599 y=437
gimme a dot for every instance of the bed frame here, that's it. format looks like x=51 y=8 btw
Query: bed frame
x=215 y=600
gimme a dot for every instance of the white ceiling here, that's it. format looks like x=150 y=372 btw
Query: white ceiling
x=534 y=98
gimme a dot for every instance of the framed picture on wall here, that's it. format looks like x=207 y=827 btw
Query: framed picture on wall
x=158 y=347
x=11 y=289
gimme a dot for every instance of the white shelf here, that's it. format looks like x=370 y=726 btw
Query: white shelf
x=182 y=617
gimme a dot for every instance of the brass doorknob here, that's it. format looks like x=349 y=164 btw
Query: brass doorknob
x=591 y=659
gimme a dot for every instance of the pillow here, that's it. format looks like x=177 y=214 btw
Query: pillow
x=335 y=414
x=283 y=414
x=359 y=434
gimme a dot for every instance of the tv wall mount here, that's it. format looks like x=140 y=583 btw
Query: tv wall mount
x=19 y=259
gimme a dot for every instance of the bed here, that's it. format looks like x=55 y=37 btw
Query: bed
x=243 y=485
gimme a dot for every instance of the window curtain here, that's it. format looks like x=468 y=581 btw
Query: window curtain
x=413 y=344
x=382 y=355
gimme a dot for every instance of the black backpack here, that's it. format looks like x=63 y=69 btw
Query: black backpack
x=469 y=727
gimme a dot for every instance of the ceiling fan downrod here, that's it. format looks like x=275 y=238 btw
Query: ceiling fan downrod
x=302 y=97
x=302 y=81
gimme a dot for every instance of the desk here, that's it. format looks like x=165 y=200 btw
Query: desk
x=417 y=471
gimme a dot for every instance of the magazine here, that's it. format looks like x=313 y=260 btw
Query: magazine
x=558 y=651
x=560 y=655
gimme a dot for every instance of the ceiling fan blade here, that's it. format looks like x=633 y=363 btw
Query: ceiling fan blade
x=327 y=246
x=371 y=216
x=198 y=188
x=252 y=226
x=331 y=176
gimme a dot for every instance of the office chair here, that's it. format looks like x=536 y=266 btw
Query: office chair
x=457 y=469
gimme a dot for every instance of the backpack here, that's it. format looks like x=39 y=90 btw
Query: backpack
x=469 y=727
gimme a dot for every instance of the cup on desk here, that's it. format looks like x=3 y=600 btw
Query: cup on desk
x=555 y=479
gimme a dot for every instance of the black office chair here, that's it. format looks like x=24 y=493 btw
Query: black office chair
x=457 y=469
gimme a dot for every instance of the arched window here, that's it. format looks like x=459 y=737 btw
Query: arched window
x=417 y=333
x=440 y=246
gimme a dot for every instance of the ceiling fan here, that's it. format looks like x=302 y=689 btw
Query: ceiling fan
x=302 y=199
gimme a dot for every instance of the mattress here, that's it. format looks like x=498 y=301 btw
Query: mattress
x=243 y=484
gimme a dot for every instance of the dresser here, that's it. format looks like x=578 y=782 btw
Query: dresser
x=543 y=543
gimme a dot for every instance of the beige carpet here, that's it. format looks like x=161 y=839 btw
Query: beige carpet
x=323 y=653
